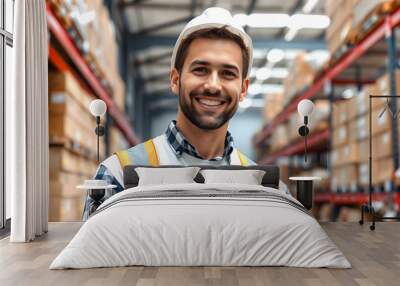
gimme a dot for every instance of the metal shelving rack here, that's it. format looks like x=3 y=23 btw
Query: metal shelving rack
x=329 y=75
x=381 y=42
x=314 y=139
x=89 y=78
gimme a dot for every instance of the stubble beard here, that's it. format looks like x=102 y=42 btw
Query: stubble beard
x=196 y=118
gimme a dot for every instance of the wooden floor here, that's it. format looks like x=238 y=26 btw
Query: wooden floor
x=375 y=256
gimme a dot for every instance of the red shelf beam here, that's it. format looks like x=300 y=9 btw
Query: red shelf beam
x=353 y=198
x=371 y=39
x=72 y=51
x=298 y=148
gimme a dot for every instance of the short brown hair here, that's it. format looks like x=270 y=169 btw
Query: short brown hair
x=211 y=33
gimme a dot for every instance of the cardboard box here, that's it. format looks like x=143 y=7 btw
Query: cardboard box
x=384 y=170
x=319 y=118
x=340 y=135
x=383 y=88
x=353 y=130
x=119 y=93
x=340 y=113
x=363 y=147
x=380 y=122
x=345 y=178
x=350 y=153
x=363 y=98
x=64 y=160
x=363 y=174
x=362 y=127
x=363 y=8
x=301 y=75
x=274 y=104
x=345 y=155
x=65 y=82
x=295 y=121
x=334 y=157
x=62 y=103
x=382 y=145
x=359 y=104
x=332 y=5
x=350 y=177
x=336 y=38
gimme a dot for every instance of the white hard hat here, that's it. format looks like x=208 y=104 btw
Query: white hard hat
x=215 y=17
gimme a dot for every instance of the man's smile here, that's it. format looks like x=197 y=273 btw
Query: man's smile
x=209 y=103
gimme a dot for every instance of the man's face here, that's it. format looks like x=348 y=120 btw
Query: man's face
x=210 y=85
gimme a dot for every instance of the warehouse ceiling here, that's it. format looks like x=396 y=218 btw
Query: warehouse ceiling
x=151 y=27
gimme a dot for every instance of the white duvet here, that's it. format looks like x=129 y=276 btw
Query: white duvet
x=201 y=224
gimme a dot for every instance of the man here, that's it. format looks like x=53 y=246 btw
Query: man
x=210 y=67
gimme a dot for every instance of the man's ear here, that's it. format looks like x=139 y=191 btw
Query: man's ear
x=245 y=86
x=174 y=81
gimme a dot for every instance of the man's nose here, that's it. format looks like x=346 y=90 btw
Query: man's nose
x=213 y=84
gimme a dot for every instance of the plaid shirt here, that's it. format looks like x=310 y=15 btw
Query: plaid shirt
x=179 y=144
x=103 y=173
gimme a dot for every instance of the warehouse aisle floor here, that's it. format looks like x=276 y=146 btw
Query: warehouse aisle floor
x=375 y=257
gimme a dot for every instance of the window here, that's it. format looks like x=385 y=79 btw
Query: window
x=6 y=43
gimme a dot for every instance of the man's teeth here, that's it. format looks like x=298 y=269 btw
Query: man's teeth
x=210 y=102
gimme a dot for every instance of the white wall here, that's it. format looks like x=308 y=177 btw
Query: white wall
x=242 y=126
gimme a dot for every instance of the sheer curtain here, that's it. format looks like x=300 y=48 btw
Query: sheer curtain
x=27 y=124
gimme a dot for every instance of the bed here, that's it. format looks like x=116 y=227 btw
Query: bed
x=201 y=224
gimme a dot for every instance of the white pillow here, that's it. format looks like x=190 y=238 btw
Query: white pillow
x=163 y=176
x=248 y=177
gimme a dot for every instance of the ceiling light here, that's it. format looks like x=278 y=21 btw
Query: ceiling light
x=258 y=20
x=263 y=73
x=271 y=88
x=275 y=55
x=290 y=34
x=279 y=73
x=309 y=6
x=301 y=21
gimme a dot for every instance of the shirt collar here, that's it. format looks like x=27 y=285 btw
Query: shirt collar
x=180 y=144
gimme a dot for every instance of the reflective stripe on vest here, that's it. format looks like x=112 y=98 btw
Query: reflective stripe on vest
x=242 y=158
x=143 y=154
x=146 y=154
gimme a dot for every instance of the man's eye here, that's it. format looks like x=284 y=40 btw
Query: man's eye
x=200 y=69
x=229 y=73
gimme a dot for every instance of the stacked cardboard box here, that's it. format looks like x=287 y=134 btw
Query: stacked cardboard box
x=352 y=19
x=91 y=28
x=351 y=138
x=301 y=75
x=274 y=104
x=67 y=171
x=279 y=139
x=345 y=155
x=103 y=45
x=72 y=146
x=287 y=132
x=341 y=14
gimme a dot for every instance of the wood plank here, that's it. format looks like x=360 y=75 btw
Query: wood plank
x=375 y=257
